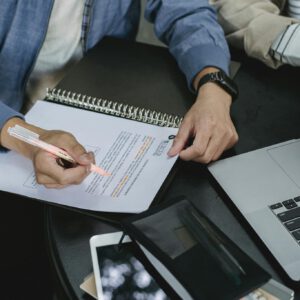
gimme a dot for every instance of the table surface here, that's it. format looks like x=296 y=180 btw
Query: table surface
x=267 y=112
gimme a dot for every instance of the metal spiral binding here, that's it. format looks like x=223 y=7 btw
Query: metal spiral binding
x=113 y=108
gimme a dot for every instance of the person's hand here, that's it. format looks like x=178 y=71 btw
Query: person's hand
x=48 y=172
x=208 y=122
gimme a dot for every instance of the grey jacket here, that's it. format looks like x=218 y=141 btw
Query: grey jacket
x=253 y=25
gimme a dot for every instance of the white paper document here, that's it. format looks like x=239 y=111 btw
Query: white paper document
x=134 y=153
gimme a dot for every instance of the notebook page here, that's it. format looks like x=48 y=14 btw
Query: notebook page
x=134 y=153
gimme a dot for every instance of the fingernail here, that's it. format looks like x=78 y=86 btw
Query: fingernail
x=88 y=169
x=85 y=158
x=91 y=155
x=171 y=152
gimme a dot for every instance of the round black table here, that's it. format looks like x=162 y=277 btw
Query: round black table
x=68 y=233
x=267 y=112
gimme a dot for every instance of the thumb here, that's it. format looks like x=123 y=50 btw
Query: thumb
x=80 y=155
x=86 y=158
x=180 y=139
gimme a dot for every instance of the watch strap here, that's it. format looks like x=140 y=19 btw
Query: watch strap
x=222 y=80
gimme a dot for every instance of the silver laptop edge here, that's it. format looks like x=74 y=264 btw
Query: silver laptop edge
x=258 y=179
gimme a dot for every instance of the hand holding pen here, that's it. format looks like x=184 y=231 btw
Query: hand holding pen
x=48 y=172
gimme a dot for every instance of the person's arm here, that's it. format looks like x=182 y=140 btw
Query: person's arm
x=197 y=42
x=254 y=25
x=192 y=33
x=7 y=113
x=208 y=122
x=47 y=171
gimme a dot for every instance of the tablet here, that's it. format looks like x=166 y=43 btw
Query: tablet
x=119 y=274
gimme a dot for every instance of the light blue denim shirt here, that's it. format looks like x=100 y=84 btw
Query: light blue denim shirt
x=188 y=27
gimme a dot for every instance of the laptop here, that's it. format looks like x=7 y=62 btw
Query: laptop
x=265 y=186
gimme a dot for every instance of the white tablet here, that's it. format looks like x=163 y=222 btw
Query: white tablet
x=118 y=272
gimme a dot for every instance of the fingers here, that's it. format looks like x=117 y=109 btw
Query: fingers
x=87 y=158
x=69 y=143
x=209 y=123
x=78 y=152
x=209 y=148
x=48 y=182
x=49 y=173
x=54 y=186
x=228 y=142
x=197 y=150
x=181 y=138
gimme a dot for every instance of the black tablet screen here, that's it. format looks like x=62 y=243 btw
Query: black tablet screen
x=124 y=277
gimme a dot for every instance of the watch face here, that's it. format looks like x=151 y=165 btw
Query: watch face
x=218 y=76
x=213 y=77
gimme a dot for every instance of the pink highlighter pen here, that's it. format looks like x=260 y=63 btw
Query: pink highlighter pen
x=32 y=138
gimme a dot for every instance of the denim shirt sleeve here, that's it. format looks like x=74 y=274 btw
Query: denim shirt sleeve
x=7 y=113
x=191 y=30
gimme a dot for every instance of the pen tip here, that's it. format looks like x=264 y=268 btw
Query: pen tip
x=99 y=170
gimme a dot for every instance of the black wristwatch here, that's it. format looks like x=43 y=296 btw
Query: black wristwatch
x=223 y=81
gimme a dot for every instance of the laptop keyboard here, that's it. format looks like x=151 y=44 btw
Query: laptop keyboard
x=288 y=212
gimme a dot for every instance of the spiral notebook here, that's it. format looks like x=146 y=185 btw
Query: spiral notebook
x=130 y=74
x=133 y=153
x=113 y=108
x=118 y=80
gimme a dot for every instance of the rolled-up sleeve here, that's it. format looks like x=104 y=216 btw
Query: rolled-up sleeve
x=7 y=113
x=192 y=33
